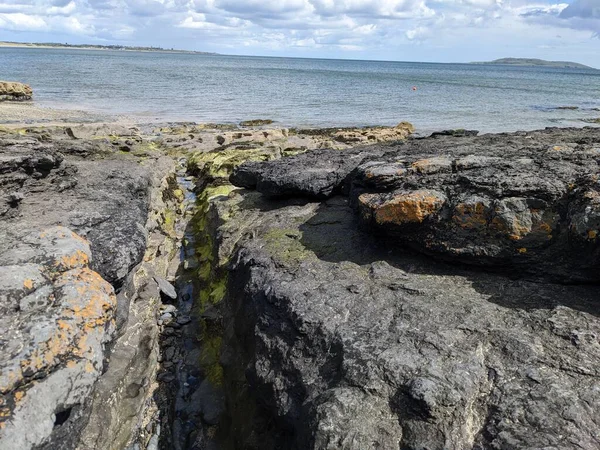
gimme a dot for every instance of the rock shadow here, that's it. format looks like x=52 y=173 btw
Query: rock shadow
x=334 y=235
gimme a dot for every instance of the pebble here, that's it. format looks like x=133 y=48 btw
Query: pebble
x=170 y=353
x=183 y=320
x=168 y=309
x=165 y=317
x=166 y=288
x=167 y=377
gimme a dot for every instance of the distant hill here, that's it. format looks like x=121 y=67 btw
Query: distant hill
x=534 y=62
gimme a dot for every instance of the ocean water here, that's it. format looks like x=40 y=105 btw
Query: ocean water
x=305 y=92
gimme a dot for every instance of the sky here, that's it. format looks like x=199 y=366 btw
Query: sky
x=398 y=30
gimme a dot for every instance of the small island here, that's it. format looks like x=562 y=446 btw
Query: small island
x=534 y=62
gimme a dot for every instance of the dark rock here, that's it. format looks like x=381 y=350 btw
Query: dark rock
x=337 y=336
x=209 y=402
x=341 y=343
x=316 y=174
x=456 y=133
x=183 y=320
x=256 y=122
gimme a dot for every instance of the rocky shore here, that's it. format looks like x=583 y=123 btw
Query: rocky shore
x=194 y=286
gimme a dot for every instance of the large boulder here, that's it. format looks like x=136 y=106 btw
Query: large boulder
x=12 y=90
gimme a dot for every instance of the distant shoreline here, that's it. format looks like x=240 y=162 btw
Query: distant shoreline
x=115 y=48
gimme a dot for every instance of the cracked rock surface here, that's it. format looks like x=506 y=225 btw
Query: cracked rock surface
x=352 y=336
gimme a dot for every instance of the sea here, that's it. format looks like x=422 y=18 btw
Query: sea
x=156 y=86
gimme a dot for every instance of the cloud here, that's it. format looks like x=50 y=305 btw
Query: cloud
x=394 y=29
x=22 y=22
x=581 y=15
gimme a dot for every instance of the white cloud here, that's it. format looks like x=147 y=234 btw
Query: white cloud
x=22 y=22
x=365 y=28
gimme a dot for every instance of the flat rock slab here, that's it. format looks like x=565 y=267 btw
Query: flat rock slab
x=82 y=185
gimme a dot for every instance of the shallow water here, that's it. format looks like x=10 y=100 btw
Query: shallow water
x=305 y=92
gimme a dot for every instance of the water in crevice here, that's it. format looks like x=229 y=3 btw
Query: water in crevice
x=192 y=404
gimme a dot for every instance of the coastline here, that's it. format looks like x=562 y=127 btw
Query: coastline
x=190 y=242
x=30 y=113
x=98 y=48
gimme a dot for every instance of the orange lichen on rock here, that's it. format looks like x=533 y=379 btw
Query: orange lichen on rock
x=471 y=215
x=28 y=283
x=73 y=260
x=86 y=305
x=402 y=208
x=432 y=165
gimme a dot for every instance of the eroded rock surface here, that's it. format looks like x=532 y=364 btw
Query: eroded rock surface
x=79 y=331
x=347 y=340
x=57 y=315
x=302 y=309
x=526 y=201
x=15 y=91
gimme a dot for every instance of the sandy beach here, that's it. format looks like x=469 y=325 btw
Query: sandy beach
x=30 y=113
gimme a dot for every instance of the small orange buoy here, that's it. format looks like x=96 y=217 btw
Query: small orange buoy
x=414 y=88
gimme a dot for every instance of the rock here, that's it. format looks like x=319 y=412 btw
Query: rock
x=341 y=337
x=316 y=174
x=183 y=320
x=529 y=206
x=14 y=198
x=209 y=402
x=12 y=90
x=103 y=200
x=57 y=315
x=166 y=288
x=82 y=218
x=168 y=309
x=256 y=122
x=340 y=341
x=456 y=133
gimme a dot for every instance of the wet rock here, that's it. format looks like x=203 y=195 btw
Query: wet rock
x=183 y=320
x=14 y=91
x=456 y=133
x=209 y=402
x=256 y=122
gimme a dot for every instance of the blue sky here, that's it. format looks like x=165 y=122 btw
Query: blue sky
x=405 y=30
